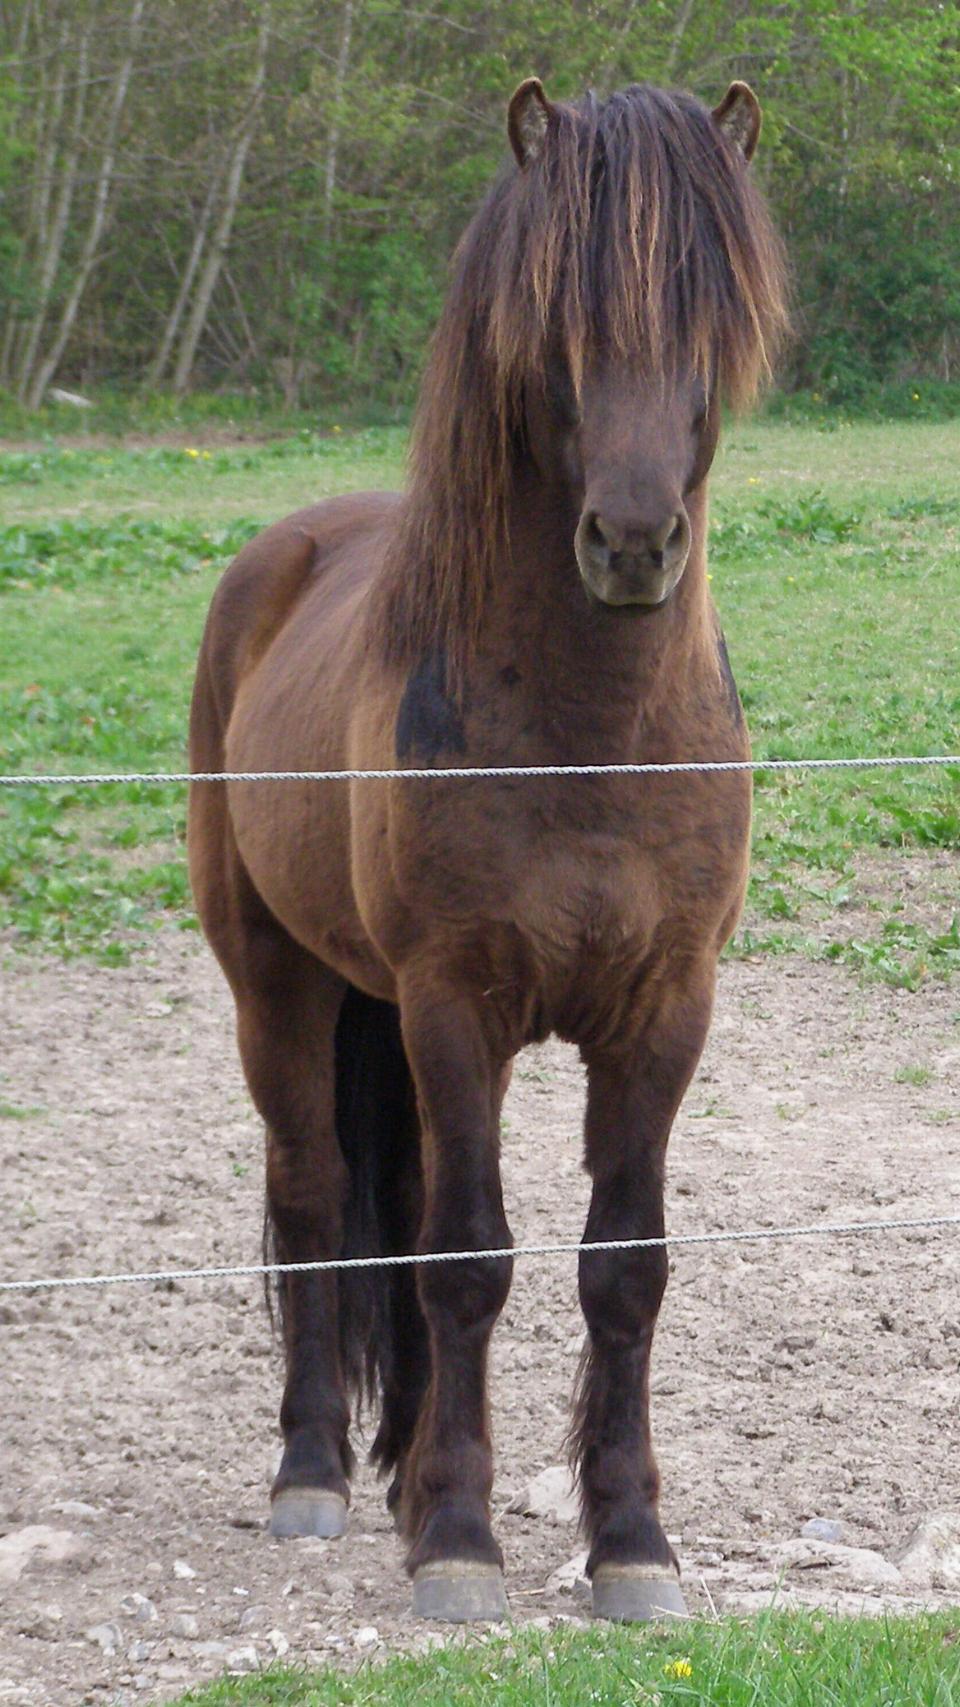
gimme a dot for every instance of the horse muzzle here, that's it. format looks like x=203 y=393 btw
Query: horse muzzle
x=623 y=566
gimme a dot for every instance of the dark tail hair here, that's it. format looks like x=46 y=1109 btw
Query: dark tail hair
x=379 y=1135
x=382 y=1335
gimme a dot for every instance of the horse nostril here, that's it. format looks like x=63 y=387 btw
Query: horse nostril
x=667 y=539
x=596 y=533
x=676 y=534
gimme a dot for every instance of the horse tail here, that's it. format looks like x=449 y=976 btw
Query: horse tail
x=379 y=1136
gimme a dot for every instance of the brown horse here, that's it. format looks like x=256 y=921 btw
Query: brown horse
x=537 y=595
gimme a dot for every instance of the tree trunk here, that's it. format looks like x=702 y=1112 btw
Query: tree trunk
x=676 y=40
x=48 y=129
x=53 y=247
x=158 y=366
x=197 y=318
x=336 y=115
x=89 y=253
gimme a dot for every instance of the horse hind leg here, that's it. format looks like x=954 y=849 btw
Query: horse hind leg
x=287 y=1008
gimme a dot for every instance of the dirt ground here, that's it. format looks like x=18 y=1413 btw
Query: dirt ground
x=138 y=1430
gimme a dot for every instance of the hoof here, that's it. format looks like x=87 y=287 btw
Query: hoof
x=308 y=1511
x=460 y=1591
x=635 y=1594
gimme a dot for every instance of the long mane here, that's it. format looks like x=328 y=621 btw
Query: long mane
x=637 y=230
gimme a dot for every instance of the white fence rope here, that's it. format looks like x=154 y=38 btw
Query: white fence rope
x=819 y=1230
x=92 y=779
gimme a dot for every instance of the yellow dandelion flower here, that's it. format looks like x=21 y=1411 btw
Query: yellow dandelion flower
x=338 y=429
x=916 y=397
x=678 y=1668
x=791 y=577
x=188 y=450
x=753 y=479
x=815 y=396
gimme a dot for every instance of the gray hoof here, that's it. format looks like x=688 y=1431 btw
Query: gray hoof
x=308 y=1511
x=460 y=1591
x=636 y=1594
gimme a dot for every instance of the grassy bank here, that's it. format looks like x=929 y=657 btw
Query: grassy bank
x=780 y=1660
x=835 y=564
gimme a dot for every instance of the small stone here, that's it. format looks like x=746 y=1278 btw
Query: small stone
x=182 y=1570
x=822 y=1529
x=106 y=1637
x=569 y=1578
x=548 y=1495
x=184 y=1624
x=212 y=1650
x=77 y=1509
x=366 y=1637
x=851 y=1567
x=337 y=1589
x=799 y=1339
x=139 y=1651
x=253 y=1618
x=278 y=1643
x=40 y=1626
x=37 y=1543
x=172 y=1673
x=243 y=1659
x=930 y=1556
x=140 y=1607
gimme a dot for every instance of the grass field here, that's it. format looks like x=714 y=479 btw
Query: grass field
x=777 y=1660
x=835 y=564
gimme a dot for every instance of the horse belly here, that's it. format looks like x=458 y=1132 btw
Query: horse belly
x=295 y=837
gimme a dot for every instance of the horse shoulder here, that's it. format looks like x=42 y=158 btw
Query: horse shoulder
x=262 y=589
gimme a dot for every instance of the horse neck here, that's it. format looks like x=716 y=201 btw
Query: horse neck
x=590 y=675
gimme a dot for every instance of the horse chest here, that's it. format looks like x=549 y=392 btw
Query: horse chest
x=587 y=900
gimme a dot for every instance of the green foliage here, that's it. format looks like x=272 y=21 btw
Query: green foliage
x=880 y=288
x=777 y=1660
x=80 y=553
x=382 y=126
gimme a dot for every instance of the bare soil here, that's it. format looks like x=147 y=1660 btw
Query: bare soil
x=790 y=1379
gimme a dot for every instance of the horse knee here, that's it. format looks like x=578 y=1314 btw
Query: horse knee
x=621 y=1291
x=465 y=1297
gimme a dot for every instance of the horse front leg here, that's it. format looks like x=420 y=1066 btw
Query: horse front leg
x=633 y=1095
x=455 y=1562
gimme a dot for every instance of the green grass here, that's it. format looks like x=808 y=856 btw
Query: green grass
x=777 y=1660
x=836 y=564
x=116 y=413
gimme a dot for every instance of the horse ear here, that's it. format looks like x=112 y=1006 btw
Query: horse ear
x=739 y=117
x=527 y=117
